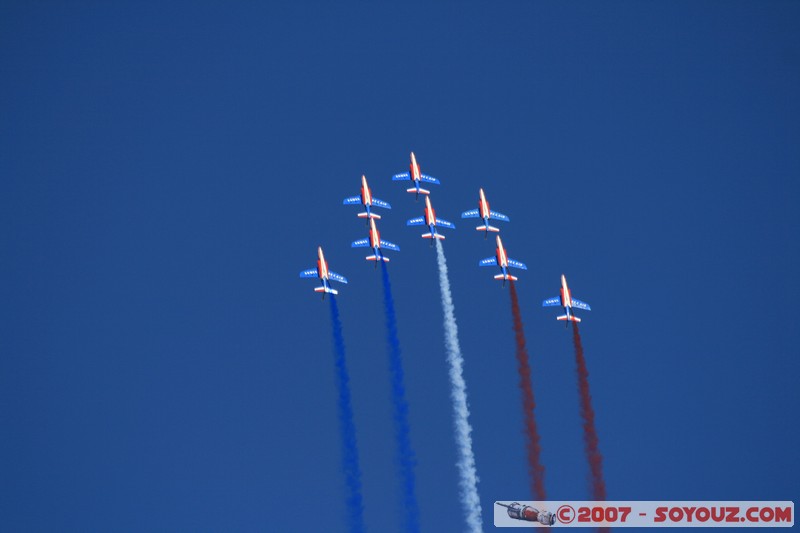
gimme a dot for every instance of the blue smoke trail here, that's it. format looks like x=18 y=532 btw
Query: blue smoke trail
x=352 y=471
x=405 y=454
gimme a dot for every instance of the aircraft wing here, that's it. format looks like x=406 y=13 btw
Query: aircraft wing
x=552 y=302
x=404 y=176
x=389 y=245
x=580 y=305
x=352 y=200
x=310 y=273
x=473 y=213
x=361 y=243
x=498 y=216
x=516 y=264
x=444 y=223
x=381 y=203
x=429 y=179
x=337 y=277
x=489 y=261
x=419 y=221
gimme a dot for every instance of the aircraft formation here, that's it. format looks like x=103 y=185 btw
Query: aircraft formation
x=429 y=219
x=468 y=478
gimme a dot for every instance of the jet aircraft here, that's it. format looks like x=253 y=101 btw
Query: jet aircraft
x=486 y=214
x=323 y=274
x=374 y=240
x=366 y=199
x=567 y=302
x=502 y=260
x=417 y=177
x=431 y=221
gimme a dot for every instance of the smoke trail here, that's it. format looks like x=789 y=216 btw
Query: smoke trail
x=466 y=459
x=405 y=454
x=352 y=471
x=535 y=468
x=598 y=486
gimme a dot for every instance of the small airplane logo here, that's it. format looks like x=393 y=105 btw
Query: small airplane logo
x=417 y=177
x=366 y=199
x=567 y=302
x=529 y=514
x=374 y=240
x=431 y=221
x=486 y=214
x=502 y=260
x=323 y=274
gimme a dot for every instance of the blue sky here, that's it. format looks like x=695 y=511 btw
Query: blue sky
x=168 y=170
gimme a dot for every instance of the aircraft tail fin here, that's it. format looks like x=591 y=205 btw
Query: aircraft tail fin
x=326 y=289
x=369 y=215
x=378 y=258
x=571 y=318
x=487 y=228
x=421 y=191
x=434 y=235
x=506 y=277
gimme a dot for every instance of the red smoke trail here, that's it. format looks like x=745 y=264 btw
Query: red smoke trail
x=598 y=486
x=535 y=468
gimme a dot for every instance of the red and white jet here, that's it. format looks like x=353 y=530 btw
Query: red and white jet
x=502 y=260
x=366 y=199
x=431 y=221
x=416 y=176
x=486 y=214
x=323 y=274
x=567 y=302
x=374 y=240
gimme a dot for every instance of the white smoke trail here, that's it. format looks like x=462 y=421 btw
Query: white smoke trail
x=466 y=459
